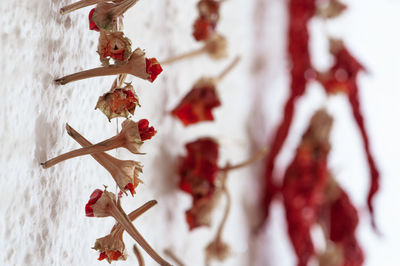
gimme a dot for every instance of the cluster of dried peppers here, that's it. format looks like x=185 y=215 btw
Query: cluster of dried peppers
x=199 y=173
x=312 y=198
x=120 y=101
x=310 y=194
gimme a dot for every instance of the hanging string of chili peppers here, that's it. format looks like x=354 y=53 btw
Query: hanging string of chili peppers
x=342 y=77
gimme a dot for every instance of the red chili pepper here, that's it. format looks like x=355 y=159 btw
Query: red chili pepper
x=304 y=185
x=198 y=172
x=198 y=104
x=300 y=13
x=343 y=77
x=343 y=221
x=205 y=24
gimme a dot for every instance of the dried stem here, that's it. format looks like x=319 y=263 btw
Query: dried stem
x=228 y=69
x=228 y=205
x=184 y=56
x=217 y=249
x=122 y=7
x=138 y=255
x=142 y=209
x=77 y=5
x=135 y=66
x=106 y=145
x=170 y=254
x=260 y=154
x=123 y=219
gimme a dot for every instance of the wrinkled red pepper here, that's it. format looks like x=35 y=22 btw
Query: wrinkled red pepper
x=205 y=24
x=342 y=77
x=300 y=13
x=304 y=185
x=198 y=104
x=198 y=171
x=341 y=223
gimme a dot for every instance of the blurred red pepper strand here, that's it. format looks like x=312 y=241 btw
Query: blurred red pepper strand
x=300 y=13
x=342 y=77
x=341 y=223
x=304 y=185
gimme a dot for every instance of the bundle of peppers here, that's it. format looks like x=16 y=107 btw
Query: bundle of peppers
x=341 y=77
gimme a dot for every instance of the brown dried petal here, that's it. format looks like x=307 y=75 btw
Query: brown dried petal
x=114 y=45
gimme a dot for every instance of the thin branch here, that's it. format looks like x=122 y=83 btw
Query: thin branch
x=260 y=154
x=172 y=256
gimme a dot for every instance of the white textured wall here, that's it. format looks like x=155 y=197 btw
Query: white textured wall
x=42 y=219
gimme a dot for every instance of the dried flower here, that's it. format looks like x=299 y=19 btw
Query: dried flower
x=124 y=172
x=198 y=171
x=218 y=250
x=202 y=208
x=199 y=102
x=129 y=138
x=114 y=45
x=153 y=68
x=205 y=25
x=215 y=47
x=107 y=13
x=136 y=66
x=119 y=102
x=102 y=204
x=112 y=246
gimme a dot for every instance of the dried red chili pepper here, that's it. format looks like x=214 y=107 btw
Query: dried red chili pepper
x=198 y=171
x=198 y=103
x=304 y=185
x=300 y=13
x=342 y=77
x=204 y=26
x=340 y=218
